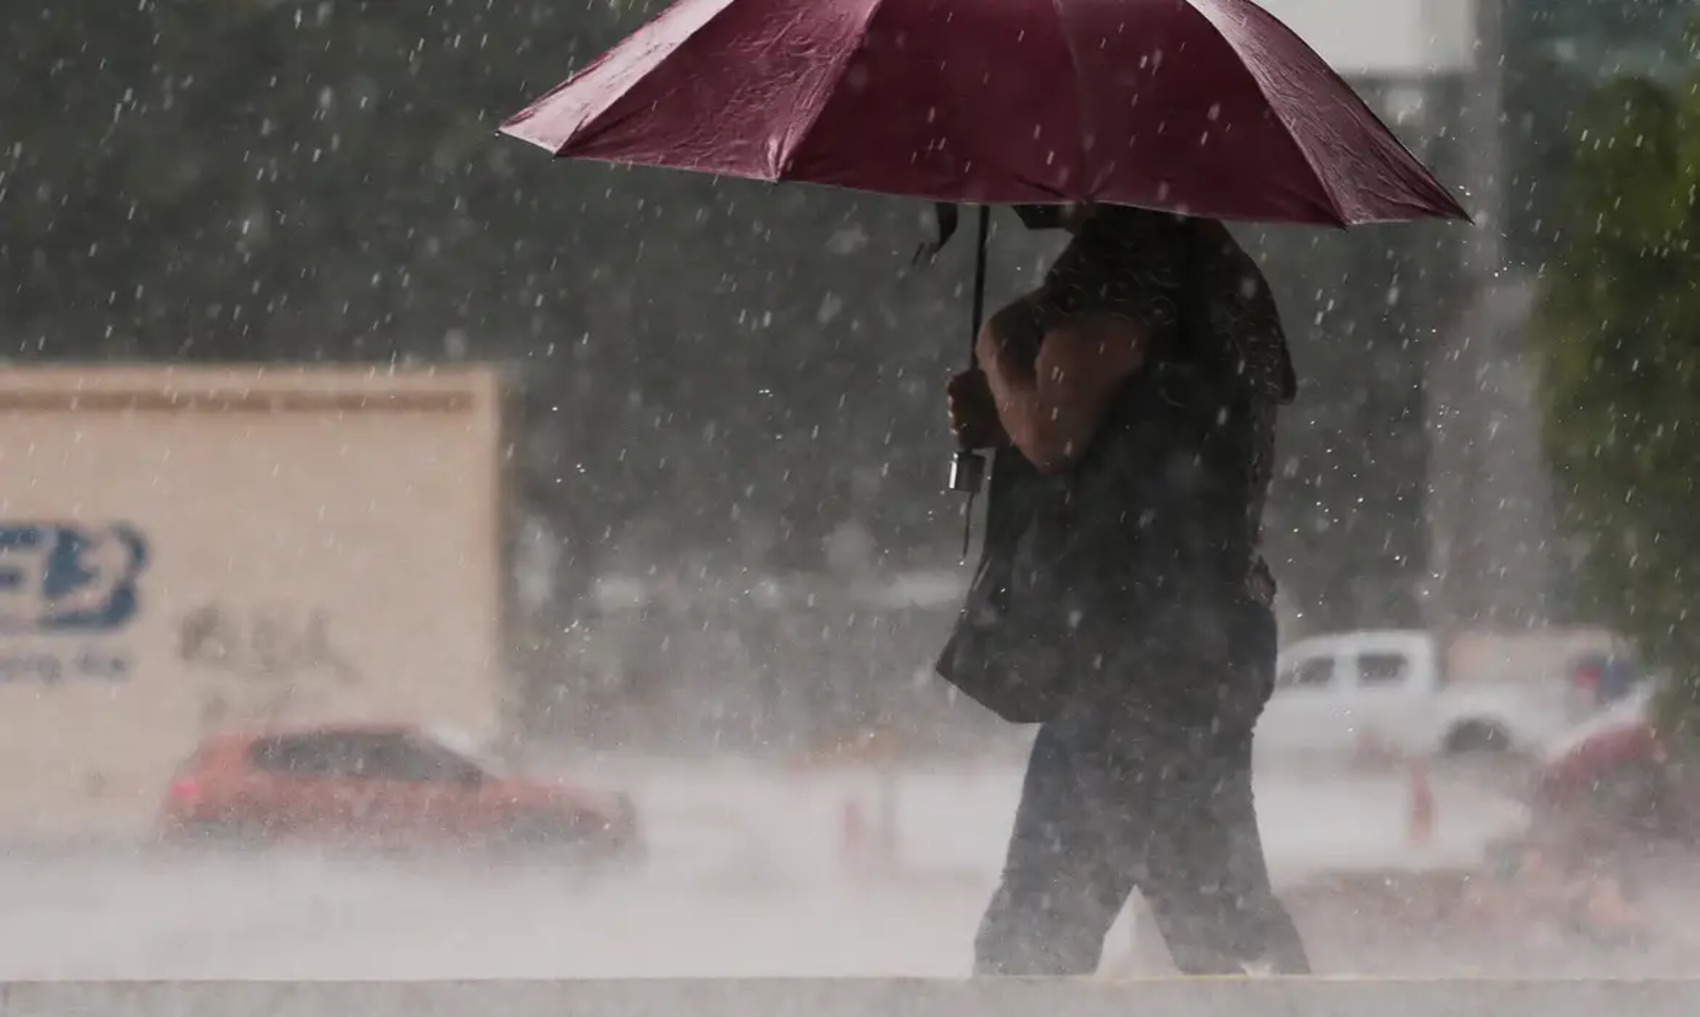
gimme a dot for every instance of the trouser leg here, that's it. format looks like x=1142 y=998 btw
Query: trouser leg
x=1177 y=755
x=1135 y=803
x=1138 y=786
x=1059 y=894
x=1205 y=876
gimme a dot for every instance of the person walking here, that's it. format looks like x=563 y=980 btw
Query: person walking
x=1137 y=389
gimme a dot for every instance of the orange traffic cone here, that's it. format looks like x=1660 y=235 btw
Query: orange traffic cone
x=1421 y=825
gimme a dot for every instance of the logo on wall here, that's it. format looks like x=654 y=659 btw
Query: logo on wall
x=269 y=661
x=65 y=591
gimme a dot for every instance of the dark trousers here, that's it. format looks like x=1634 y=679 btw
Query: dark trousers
x=1146 y=785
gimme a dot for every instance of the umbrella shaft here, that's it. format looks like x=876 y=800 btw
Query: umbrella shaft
x=968 y=469
x=981 y=243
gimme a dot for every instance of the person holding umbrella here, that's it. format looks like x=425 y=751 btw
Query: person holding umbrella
x=1141 y=383
x=1120 y=602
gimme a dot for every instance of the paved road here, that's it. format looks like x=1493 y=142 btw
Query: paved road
x=747 y=880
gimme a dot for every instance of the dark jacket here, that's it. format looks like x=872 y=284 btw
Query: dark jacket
x=1162 y=514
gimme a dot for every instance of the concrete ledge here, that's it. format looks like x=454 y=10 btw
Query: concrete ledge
x=855 y=998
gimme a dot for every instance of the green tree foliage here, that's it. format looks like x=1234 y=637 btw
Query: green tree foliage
x=1556 y=53
x=1620 y=341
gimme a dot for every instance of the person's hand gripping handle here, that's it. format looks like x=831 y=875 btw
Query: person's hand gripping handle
x=974 y=422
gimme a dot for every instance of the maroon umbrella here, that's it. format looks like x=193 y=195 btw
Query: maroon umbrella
x=1206 y=107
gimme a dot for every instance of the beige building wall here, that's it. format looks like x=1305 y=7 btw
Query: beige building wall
x=183 y=550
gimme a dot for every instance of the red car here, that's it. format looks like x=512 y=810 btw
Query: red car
x=1617 y=764
x=392 y=786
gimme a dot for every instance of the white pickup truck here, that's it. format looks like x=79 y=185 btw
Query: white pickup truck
x=1416 y=693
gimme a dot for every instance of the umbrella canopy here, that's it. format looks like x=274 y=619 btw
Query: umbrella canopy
x=1204 y=107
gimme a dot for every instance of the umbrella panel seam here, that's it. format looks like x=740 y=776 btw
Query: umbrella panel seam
x=829 y=87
